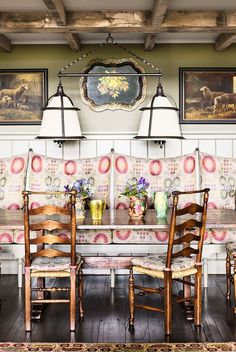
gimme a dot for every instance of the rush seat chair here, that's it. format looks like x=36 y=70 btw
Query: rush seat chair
x=49 y=255
x=182 y=261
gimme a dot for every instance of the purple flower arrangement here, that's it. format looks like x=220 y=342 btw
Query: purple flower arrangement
x=83 y=188
x=135 y=187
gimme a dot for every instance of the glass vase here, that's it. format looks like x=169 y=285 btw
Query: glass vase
x=161 y=204
x=80 y=208
x=137 y=207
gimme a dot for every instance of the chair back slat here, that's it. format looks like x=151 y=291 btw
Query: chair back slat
x=44 y=220
x=49 y=239
x=188 y=224
x=185 y=252
x=192 y=208
x=49 y=225
x=186 y=238
x=187 y=228
x=49 y=210
x=50 y=253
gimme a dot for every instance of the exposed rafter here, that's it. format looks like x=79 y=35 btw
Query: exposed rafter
x=73 y=41
x=5 y=43
x=57 y=11
x=158 y=13
x=224 y=40
x=57 y=20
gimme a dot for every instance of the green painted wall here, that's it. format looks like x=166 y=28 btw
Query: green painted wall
x=167 y=57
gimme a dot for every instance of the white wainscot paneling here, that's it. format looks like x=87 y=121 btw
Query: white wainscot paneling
x=172 y=148
x=139 y=148
x=189 y=146
x=5 y=149
x=53 y=150
x=155 y=151
x=224 y=147
x=122 y=146
x=104 y=146
x=207 y=146
x=20 y=147
x=88 y=149
x=71 y=150
x=38 y=146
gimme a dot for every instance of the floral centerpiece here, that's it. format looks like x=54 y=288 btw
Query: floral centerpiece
x=137 y=191
x=84 y=191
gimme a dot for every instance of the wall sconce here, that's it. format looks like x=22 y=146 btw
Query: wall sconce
x=160 y=119
x=60 y=121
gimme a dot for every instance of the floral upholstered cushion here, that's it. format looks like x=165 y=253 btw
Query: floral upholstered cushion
x=6 y=236
x=231 y=248
x=167 y=174
x=89 y=236
x=12 y=181
x=140 y=236
x=51 y=174
x=219 y=174
x=158 y=262
x=51 y=264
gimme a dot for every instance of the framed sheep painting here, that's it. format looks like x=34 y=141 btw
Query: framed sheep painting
x=207 y=95
x=23 y=93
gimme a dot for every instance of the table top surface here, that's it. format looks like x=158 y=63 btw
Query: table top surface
x=119 y=219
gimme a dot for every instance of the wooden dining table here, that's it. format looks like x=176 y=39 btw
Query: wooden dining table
x=117 y=257
x=119 y=219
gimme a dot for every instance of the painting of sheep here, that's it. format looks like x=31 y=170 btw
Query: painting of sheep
x=207 y=95
x=23 y=93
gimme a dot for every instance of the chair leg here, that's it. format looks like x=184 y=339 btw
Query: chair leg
x=228 y=277
x=198 y=297
x=234 y=285
x=168 y=302
x=81 y=294
x=27 y=300
x=72 y=298
x=131 y=299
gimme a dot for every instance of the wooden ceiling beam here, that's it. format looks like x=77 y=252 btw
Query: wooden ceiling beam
x=57 y=11
x=5 y=43
x=117 y=21
x=158 y=14
x=224 y=40
x=73 y=41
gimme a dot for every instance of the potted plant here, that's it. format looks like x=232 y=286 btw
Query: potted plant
x=84 y=191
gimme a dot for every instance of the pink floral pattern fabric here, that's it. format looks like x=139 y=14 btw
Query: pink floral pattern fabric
x=12 y=181
x=145 y=236
x=51 y=174
x=158 y=262
x=166 y=174
x=6 y=236
x=219 y=174
x=88 y=236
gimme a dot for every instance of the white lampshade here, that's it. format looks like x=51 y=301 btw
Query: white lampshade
x=160 y=119
x=60 y=118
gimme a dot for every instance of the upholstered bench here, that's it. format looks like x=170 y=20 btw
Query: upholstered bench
x=109 y=174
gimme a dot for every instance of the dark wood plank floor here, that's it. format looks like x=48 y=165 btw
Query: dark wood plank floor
x=106 y=315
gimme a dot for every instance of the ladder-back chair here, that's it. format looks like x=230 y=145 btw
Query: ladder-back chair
x=49 y=255
x=231 y=272
x=182 y=261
